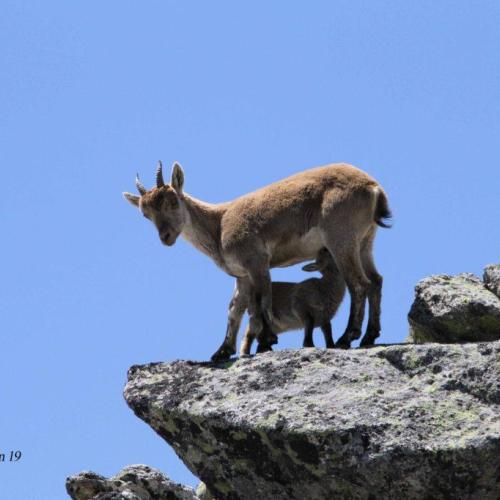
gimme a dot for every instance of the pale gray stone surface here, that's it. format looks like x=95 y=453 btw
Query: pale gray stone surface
x=135 y=482
x=491 y=278
x=452 y=309
x=404 y=421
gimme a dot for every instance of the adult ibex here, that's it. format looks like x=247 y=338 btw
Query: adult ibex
x=337 y=206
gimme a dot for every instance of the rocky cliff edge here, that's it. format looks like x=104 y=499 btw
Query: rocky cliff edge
x=402 y=421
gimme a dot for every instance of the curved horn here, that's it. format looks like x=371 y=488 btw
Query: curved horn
x=139 y=186
x=159 y=176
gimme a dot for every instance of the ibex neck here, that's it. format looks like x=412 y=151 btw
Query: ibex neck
x=202 y=227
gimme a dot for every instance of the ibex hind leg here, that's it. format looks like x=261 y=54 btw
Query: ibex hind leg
x=374 y=291
x=346 y=252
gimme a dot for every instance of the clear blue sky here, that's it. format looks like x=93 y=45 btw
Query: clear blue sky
x=242 y=94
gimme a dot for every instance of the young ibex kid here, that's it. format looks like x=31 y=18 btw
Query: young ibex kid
x=308 y=304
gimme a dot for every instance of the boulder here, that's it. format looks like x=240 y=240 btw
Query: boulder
x=491 y=278
x=135 y=482
x=452 y=309
x=403 y=421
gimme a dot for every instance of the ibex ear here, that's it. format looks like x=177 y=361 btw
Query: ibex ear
x=310 y=267
x=177 y=181
x=132 y=198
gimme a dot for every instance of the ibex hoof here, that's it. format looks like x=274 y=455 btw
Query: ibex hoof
x=223 y=353
x=269 y=339
x=367 y=341
x=349 y=335
x=343 y=344
x=263 y=348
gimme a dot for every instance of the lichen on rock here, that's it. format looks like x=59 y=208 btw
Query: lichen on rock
x=135 y=482
x=491 y=278
x=404 y=421
x=454 y=309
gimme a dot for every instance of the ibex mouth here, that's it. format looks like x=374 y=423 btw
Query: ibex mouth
x=169 y=239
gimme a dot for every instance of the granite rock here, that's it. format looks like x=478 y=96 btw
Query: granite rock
x=452 y=309
x=392 y=422
x=491 y=278
x=135 y=482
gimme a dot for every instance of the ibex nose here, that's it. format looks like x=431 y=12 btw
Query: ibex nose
x=165 y=236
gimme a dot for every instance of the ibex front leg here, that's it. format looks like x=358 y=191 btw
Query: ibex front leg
x=260 y=307
x=237 y=307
